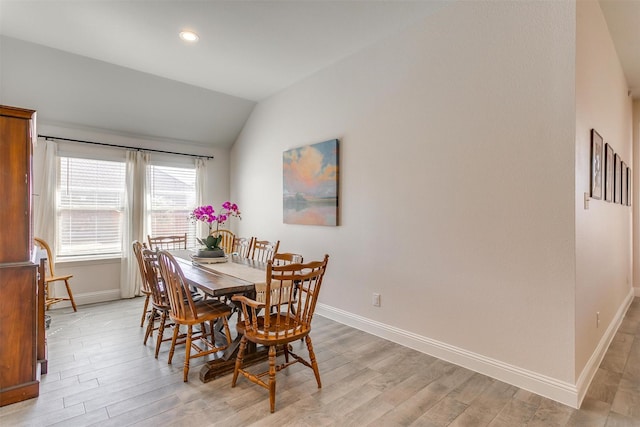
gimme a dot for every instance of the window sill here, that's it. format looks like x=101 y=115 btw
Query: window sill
x=84 y=260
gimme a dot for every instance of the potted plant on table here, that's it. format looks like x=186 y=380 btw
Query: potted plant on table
x=208 y=215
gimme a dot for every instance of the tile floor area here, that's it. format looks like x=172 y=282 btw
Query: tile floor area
x=101 y=374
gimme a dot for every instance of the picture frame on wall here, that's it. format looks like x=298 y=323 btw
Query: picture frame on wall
x=617 y=179
x=629 y=181
x=596 y=165
x=608 y=172
x=623 y=184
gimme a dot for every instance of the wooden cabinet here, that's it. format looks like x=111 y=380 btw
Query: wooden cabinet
x=15 y=184
x=19 y=367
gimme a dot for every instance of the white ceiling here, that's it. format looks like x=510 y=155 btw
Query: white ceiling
x=248 y=50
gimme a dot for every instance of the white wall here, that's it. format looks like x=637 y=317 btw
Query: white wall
x=603 y=231
x=636 y=197
x=97 y=281
x=457 y=183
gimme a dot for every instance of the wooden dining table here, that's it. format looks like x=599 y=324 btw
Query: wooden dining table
x=237 y=276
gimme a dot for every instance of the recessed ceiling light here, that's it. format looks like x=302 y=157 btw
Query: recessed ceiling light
x=189 y=36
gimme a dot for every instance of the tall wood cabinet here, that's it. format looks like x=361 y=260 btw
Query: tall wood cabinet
x=19 y=367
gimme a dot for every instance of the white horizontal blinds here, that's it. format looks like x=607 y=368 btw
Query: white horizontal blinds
x=91 y=196
x=172 y=192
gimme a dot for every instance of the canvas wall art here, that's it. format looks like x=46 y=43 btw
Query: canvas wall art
x=310 y=184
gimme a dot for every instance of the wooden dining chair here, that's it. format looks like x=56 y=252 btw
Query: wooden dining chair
x=184 y=311
x=167 y=242
x=227 y=239
x=50 y=277
x=284 y=258
x=243 y=246
x=144 y=286
x=281 y=327
x=160 y=305
x=263 y=250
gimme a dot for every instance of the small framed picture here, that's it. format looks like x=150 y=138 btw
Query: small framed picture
x=617 y=180
x=624 y=184
x=608 y=173
x=596 y=165
x=629 y=181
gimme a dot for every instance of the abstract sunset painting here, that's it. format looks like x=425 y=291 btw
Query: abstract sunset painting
x=310 y=184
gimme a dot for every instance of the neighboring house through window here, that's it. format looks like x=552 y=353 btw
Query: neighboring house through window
x=172 y=196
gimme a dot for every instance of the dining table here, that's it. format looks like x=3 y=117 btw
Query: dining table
x=222 y=280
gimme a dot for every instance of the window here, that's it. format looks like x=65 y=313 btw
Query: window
x=172 y=192
x=91 y=196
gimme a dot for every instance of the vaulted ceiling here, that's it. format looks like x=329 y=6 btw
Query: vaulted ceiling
x=248 y=49
x=126 y=55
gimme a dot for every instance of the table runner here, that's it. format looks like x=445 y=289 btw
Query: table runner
x=239 y=271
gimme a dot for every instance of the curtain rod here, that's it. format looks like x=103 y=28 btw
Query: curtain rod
x=49 y=138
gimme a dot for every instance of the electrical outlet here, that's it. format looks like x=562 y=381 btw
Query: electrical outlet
x=375 y=300
x=597 y=319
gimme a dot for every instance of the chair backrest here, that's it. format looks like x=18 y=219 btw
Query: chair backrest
x=157 y=288
x=43 y=245
x=180 y=301
x=264 y=250
x=243 y=246
x=227 y=239
x=282 y=281
x=137 y=251
x=167 y=242
x=285 y=258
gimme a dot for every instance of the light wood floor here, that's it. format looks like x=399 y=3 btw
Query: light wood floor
x=101 y=374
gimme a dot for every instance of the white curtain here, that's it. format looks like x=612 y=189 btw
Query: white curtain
x=201 y=178
x=133 y=224
x=44 y=221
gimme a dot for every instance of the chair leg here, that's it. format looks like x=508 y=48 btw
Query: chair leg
x=187 y=354
x=176 y=329
x=73 y=303
x=314 y=363
x=150 y=324
x=227 y=332
x=272 y=378
x=243 y=344
x=47 y=295
x=163 y=320
x=144 y=310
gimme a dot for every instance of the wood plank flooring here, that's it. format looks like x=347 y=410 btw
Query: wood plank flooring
x=101 y=374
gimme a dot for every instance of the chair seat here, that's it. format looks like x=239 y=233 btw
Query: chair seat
x=279 y=332
x=206 y=311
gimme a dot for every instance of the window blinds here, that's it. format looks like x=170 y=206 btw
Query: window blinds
x=90 y=206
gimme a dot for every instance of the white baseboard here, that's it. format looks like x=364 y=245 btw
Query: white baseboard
x=90 y=298
x=560 y=391
x=590 y=369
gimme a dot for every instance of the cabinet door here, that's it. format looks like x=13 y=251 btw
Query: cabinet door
x=15 y=190
x=18 y=374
